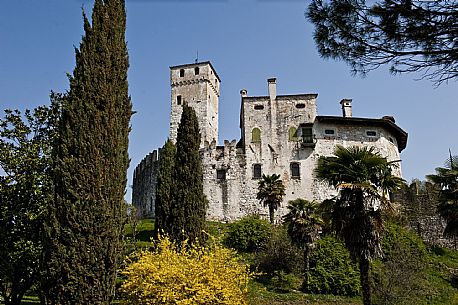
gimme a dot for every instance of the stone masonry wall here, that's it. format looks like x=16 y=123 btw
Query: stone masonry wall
x=144 y=185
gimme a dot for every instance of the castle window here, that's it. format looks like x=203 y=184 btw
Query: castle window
x=181 y=72
x=179 y=99
x=306 y=134
x=371 y=133
x=256 y=135
x=220 y=174
x=258 y=107
x=300 y=106
x=329 y=132
x=292 y=134
x=295 y=170
x=257 y=171
x=196 y=71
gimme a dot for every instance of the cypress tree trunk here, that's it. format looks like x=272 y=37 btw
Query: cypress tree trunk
x=83 y=240
x=164 y=189
x=364 y=277
x=189 y=205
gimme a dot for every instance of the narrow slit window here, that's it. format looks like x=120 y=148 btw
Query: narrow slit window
x=178 y=99
x=295 y=170
x=257 y=171
x=300 y=106
x=258 y=107
x=181 y=72
x=196 y=71
x=329 y=132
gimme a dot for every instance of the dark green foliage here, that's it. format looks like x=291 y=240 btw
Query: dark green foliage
x=249 y=234
x=363 y=178
x=270 y=193
x=446 y=183
x=189 y=205
x=164 y=188
x=332 y=270
x=83 y=239
x=25 y=144
x=400 y=276
x=279 y=255
x=409 y=36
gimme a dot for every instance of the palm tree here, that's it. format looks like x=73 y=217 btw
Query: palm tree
x=303 y=224
x=270 y=193
x=363 y=179
x=446 y=182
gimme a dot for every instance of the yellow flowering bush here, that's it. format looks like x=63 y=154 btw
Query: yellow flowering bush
x=185 y=275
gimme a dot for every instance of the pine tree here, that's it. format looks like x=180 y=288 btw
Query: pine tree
x=189 y=203
x=83 y=239
x=164 y=188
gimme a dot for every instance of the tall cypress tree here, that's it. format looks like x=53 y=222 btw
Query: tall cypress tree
x=164 y=188
x=84 y=231
x=189 y=205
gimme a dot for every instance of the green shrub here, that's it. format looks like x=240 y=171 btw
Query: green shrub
x=248 y=234
x=400 y=277
x=331 y=269
x=279 y=254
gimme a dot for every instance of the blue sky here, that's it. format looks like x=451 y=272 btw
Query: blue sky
x=247 y=42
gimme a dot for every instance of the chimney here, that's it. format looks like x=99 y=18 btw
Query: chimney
x=346 y=108
x=243 y=92
x=272 y=82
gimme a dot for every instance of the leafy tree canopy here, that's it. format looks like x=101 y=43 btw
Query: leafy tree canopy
x=25 y=143
x=407 y=35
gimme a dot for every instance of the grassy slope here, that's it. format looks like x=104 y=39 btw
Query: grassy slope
x=442 y=276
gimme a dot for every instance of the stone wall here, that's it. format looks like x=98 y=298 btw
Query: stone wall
x=144 y=185
x=419 y=208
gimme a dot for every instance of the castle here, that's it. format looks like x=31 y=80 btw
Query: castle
x=280 y=134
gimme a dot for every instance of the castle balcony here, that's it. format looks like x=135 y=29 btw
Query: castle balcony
x=308 y=141
x=305 y=136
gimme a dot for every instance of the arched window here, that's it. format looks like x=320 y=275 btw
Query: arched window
x=295 y=170
x=257 y=171
x=256 y=135
x=292 y=134
x=196 y=71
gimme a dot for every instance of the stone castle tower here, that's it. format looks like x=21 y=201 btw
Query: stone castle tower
x=280 y=134
x=198 y=86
